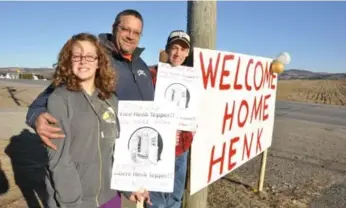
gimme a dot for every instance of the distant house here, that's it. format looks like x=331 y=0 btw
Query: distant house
x=12 y=75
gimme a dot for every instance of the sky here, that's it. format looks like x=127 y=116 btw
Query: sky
x=313 y=33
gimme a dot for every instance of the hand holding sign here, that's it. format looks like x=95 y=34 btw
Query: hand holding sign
x=139 y=197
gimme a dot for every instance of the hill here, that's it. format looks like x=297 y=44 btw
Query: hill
x=305 y=74
x=35 y=70
x=286 y=75
x=45 y=72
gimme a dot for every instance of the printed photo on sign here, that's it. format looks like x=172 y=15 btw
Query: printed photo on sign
x=145 y=152
x=145 y=145
x=236 y=113
x=178 y=95
x=179 y=87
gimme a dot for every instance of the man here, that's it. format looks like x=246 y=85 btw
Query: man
x=177 y=50
x=133 y=83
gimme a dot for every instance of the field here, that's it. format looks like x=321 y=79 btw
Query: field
x=303 y=169
x=313 y=91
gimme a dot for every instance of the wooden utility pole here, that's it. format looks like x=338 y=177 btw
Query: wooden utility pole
x=201 y=26
x=201 y=23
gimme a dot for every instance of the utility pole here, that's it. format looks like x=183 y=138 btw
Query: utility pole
x=201 y=26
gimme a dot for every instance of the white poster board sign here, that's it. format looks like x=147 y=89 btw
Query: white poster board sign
x=236 y=117
x=145 y=152
x=178 y=87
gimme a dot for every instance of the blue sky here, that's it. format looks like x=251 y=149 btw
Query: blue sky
x=314 y=33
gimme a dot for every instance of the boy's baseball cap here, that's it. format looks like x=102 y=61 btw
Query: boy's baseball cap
x=178 y=35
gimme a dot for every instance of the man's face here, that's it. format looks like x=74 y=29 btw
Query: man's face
x=177 y=52
x=128 y=33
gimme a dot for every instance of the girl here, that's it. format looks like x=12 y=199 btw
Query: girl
x=79 y=171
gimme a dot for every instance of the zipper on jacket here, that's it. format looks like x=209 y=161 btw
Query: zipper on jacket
x=181 y=144
x=99 y=149
x=100 y=158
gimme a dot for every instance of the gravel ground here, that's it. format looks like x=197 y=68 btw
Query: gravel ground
x=305 y=168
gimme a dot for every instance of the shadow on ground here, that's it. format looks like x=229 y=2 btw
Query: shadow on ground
x=4 y=186
x=13 y=95
x=29 y=157
x=333 y=197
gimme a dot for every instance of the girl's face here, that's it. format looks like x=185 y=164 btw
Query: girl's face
x=84 y=60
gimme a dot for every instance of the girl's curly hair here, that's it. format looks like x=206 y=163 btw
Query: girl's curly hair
x=105 y=75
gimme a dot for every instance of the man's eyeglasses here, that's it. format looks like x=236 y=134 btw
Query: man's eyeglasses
x=88 y=58
x=129 y=31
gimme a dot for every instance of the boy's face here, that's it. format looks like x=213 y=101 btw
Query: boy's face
x=177 y=52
